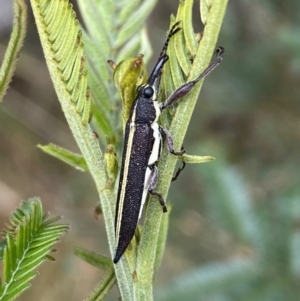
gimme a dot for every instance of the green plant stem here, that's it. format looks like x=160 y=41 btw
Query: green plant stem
x=147 y=251
x=89 y=147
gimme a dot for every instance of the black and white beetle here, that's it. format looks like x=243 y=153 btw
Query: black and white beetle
x=142 y=148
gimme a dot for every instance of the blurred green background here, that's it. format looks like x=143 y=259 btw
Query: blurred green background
x=235 y=223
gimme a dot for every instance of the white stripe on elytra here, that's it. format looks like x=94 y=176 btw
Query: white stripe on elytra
x=125 y=173
x=155 y=154
x=153 y=158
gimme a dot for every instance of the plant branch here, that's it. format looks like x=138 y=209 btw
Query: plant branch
x=151 y=229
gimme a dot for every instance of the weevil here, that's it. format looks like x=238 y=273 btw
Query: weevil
x=143 y=145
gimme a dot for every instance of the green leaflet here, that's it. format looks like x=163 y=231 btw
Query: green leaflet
x=179 y=44
x=136 y=20
x=94 y=259
x=73 y=159
x=14 y=46
x=204 y=10
x=188 y=29
x=190 y=159
x=128 y=75
x=29 y=240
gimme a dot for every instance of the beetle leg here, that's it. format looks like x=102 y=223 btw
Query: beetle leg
x=152 y=184
x=170 y=146
x=179 y=170
x=187 y=87
x=170 y=143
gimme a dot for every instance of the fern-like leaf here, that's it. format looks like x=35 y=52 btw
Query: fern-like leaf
x=14 y=46
x=29 y=240
x=120 y=34
x=71 y=158
x=62 y=44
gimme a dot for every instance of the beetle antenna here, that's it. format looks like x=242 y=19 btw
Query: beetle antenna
x=174 y=29
x=154 y=78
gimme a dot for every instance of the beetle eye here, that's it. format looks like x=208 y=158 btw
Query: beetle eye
x=148 y=92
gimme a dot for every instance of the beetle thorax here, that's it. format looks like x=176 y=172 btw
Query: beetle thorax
x=146 y=111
